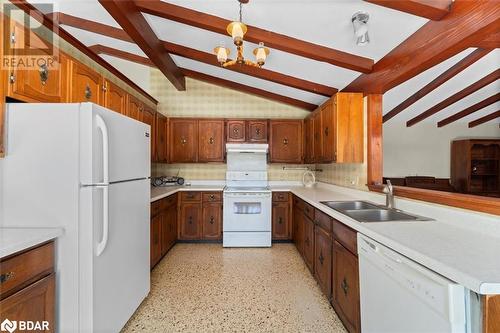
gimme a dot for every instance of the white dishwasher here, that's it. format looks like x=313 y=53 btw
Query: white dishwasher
x=399 y=295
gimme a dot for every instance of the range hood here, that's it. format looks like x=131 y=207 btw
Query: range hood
x=261 y=148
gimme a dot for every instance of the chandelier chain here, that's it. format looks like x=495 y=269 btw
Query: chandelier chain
x=241 y=9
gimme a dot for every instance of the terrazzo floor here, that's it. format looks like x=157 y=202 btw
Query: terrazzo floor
x=205 y=288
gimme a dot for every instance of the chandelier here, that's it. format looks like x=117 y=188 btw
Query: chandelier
x=237 y=31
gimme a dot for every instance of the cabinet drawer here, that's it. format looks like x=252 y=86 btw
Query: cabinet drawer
x=346 y=236
x=298 y=203
x=323 y=221
x=20 y=270
x=212 y=196
x=156 y=207
x=190 y=196
x=309 y=211
x=281 y=196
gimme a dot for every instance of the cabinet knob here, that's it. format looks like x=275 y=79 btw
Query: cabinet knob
x=88 y=92
x=327 y=131
x=212 y=220
x=190 y=220
x=44 y=73
x=6 y=277
x=344 y=286
x=12 y=78
x=257 y=131
x=211 y=141
x=183 y=141
x=321 y=258
x=212 y=197
x=280 y=220
x=236 y=130
x=285 y=141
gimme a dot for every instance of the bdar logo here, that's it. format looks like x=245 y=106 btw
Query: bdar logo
x=8 y=325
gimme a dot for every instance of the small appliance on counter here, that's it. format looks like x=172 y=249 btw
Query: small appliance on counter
x=167 y=181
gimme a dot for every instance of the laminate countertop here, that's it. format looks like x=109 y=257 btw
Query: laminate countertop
x=14 y=240
x=459 y=244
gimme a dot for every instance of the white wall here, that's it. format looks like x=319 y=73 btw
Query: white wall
x=424 y=149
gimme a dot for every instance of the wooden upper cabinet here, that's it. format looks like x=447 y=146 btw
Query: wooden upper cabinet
x=149 y=117
x=286 y=141
x=236 y=131
x=47 y=81
x=257 y=131
x=348 y=126
x=115 y=98
x=86 y=85
x=134 y=108
x=317 y=137
x=211 y=141
x=309 y=140
x=183 y=140
x=161 y=138
x=327 y=132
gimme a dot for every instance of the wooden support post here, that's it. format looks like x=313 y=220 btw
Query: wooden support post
x=374 y=132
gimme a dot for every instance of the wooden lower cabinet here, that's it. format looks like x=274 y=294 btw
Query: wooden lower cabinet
x=297 y=228
x=212 y=221
x=345 y=283
x=163 y=227
x=308 y=243
x=281 y=216
x=155 y=240
x=190 y=218
x=323 y=259
x=200 y=216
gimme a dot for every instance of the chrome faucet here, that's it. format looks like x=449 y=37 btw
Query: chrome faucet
x=389 y=195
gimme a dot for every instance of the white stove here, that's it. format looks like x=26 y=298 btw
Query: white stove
x=247 y=197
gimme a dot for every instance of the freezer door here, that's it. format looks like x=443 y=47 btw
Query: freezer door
x=125 y=153
x=120 y=270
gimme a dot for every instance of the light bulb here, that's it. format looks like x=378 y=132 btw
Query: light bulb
x=237 y=30
x=222 y=54
x=261 y=54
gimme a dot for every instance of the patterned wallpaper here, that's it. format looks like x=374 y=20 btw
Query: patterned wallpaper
x=206 y=100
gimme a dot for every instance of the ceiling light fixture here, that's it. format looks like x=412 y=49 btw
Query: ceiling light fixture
x=237 y=31
x=360 y=24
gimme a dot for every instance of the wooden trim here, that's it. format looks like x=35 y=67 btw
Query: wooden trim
x=492 y=42
x=266 y=74
x=375 y=146
x=466 y=201
x=445 y=76
x=135 y=25
x=467 y=23
x=431 y=9
x=495 y=75
x=491 y=313
x=471 y=109
x=248 y=89
x=255 y=35
x=484 y=119
x=54 y=26
x=101 y=49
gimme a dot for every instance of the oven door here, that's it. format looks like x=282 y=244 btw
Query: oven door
x=246 y=211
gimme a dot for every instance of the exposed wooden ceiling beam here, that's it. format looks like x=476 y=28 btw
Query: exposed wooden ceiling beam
x=471 y=109
x=484 y=119
x=135 y=25
x=431 y=9
x=101 y=49
x=256 y=35
x=262 y=73
x=492 y=77
x=467 y=23
x=492 y=42
x=445 y=76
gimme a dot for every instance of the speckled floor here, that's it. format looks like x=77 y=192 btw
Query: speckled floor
x=205 y=288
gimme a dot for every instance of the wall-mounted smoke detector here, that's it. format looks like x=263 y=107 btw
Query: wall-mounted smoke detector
x=360 y=24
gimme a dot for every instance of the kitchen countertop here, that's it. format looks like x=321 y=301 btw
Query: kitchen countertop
x=460 y=245
x=13 y=240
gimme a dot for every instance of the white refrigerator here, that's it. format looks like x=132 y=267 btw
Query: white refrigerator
x=83 y=168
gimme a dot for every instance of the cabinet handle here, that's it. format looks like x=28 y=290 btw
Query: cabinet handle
x=211 y=141
x=280 y=220
x=321 y=258
x=6 y=277
x=12 y=78
x=236 y=130
x=212 y=197
x=104 y=88
x=327 y=131
x=307 y=241
x=344 y=286
x=212 y=220
x=88 y=92
x=190 y=220
x=44 y=73
x=285 y=141
x=183 y=141
x=257 y=131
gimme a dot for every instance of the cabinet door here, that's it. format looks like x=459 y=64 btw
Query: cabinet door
x=161 y=137
x=212 y=221
x=183 y=140
x=349 y=128
x=257 y=131
x=134 y=108
x=35 y=303
x=115 y=98
x=85 y=84
x=169 y=227
x=323 y=260
x=297 y=223
x=211 y=141
x=281 y=221
x=155 y=239
x=45 y=83
x=286 y=141
x=190 y=216
x=148 y=117
x=236 y=131
x=345 y=284
x=327 y=130
x=309 y=140
x=318 y=137
x=309 y=243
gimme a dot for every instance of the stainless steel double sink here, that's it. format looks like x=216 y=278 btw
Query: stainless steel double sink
x=363 y=211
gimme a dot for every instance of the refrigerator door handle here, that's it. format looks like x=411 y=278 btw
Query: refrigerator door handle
x=101 y=125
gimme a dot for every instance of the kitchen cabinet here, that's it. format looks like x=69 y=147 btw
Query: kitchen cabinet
x=281 y=221
x=200 y=216
x=297 y=223
x=134 y=108
x=183 y=140
x=169 y=224
x=285 y=141
x=309 y=140
x=190 y=220
x=86 y=84
x=161 y=138
x=115 y=98
x=148 y=117
x=257 y=131
x=28 y=286
x=211 y=140
x=345 y=284
x=155 y=239
x=308 y=226
x=317 y=137
x=323 y=259
x=212 y=221
x=236 y=131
